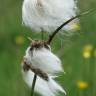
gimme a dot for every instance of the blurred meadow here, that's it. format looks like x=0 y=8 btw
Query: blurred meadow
x=78 y=52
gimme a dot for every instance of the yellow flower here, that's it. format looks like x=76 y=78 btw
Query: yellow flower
x=19 y=40
x=86 y=54
x=82 y=84
x=87 y=51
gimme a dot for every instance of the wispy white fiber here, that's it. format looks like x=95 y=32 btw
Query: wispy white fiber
x=47 y=15
x=44 y=59
x=45 y=88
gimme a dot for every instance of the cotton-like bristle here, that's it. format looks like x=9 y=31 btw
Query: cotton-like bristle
x=48 y=14
x=44 y=59
x=45 y=88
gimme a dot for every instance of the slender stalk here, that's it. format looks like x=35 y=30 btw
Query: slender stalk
x=33 y=84
x=65 y=23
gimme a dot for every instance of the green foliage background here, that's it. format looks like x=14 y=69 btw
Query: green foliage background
x=76 y=67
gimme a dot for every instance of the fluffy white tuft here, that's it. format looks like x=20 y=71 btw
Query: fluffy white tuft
x=44 y=59
x=47 y=15
x=45 y=88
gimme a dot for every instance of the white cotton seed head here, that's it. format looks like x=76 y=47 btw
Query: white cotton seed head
x=45 y=88
x=43 y=59
x=47 y=15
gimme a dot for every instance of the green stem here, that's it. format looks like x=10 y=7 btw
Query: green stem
x=33 y=84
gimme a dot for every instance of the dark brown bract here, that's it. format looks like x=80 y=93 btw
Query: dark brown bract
x=37 y=71
x=37 y=44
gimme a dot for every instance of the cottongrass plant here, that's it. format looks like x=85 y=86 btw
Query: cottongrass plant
x=40 y=65
x=40 y=61
x=45 y=65
x=44 y=16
